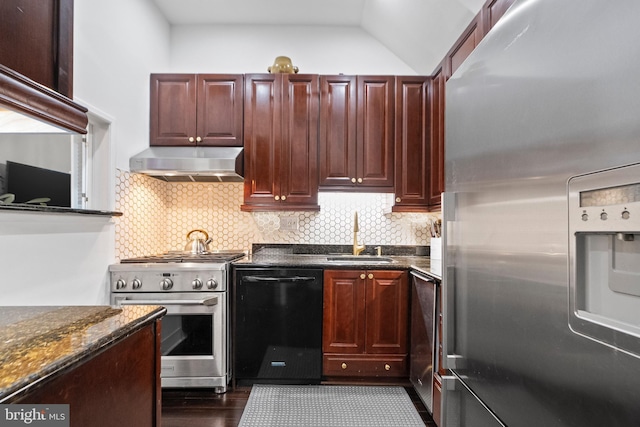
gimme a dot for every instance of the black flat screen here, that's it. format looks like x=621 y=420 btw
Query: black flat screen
x=30 y=182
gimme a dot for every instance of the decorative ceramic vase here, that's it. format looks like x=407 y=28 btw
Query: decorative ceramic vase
x=282 y=64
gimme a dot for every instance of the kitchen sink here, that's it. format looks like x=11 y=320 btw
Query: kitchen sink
x=359 y=259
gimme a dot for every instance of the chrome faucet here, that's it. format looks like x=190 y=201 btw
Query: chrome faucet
x=356 y=247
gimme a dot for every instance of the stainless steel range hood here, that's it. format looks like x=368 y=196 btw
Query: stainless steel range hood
x=190 y=164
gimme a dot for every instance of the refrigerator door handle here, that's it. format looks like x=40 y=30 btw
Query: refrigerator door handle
x=451 y=360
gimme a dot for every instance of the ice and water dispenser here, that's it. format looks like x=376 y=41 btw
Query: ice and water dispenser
x=604 y=251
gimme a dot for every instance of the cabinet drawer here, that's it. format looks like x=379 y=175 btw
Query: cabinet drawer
x=358 y=366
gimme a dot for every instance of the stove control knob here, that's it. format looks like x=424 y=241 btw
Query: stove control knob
x=136 y=284
x=166 y=284
x=121 y=284
x=196 y=284
x=212 y=284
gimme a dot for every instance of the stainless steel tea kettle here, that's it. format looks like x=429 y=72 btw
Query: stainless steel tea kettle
x=197 y=245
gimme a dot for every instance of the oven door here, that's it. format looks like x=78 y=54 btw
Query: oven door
x=194 y=345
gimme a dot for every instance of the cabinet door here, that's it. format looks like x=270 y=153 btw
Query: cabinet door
x=36 y=40
x=173 y=109
x=337 y=131
x=387 y=299
x=436 y=103
x=344 y=312
x=375 y=121
x=465 y=44
x=219 y=109
x=299 y=171
x=262 y=129
x=412 y=143
x=493 y=11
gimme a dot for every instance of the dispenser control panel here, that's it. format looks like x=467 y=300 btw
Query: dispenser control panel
x=604 y=257
x=599 y=201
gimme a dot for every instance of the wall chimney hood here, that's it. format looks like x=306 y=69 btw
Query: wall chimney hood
x=190 y=164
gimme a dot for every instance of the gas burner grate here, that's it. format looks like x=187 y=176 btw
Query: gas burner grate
x=185 y=257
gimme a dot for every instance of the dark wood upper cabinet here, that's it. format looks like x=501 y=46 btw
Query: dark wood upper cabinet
x=375 y=134
x=337 y=133
x=36 y=62
x=196 y=109
x=437 y=108
x=465 y=44
x=492 y=12
x=220 y=107
x=360 y=159
x=36 y=40
x=281 y=142
x=483 y=22
x=412 y=144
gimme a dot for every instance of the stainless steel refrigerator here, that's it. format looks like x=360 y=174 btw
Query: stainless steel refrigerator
x=542 y=220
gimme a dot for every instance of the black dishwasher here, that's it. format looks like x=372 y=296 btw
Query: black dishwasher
x=277 y=326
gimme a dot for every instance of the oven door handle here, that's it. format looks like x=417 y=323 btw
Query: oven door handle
x=207 y=301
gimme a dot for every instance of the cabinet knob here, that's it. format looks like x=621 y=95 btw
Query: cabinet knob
x=353 y=180
x=343 y=366
x=198 y=139
x=370 y=276
x=191 y=139
x=387 y=367
x=398 y=199
x=277 y=197
x=283 y=198
x=362 y=276
x=359 y=180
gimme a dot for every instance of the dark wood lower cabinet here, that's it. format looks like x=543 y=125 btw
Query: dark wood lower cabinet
x=437 y=399
x=119 y=386
x=365 y=326
x=364 y=366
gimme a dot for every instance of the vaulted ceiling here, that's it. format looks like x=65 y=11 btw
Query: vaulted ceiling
x=419 y=32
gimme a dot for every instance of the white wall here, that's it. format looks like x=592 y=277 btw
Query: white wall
x=252 y=48
x=53 y=259
x=117 y=44
x=420 y=32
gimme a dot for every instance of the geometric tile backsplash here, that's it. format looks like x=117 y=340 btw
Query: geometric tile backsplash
x=157 y=216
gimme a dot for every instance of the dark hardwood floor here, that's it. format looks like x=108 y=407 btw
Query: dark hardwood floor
x=203 y=408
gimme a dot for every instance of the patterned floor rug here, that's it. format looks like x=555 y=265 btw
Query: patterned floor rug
x=329 y=406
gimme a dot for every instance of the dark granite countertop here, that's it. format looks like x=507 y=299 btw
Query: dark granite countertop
x=300 y=256
x=37 y=342
x=22 y=207
x=434 y=269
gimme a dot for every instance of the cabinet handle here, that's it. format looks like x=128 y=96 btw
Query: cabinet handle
x=277 y=197
x=191 y=139
x=370 y=276
x=362 y=276
x=198 y=139
x=398 y=199
x=359 y=180
x=343 y=366
x=353 y=180
x=387 y=367
x=283 y=198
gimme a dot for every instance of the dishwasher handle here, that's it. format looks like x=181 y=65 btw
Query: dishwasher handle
x=271 y=279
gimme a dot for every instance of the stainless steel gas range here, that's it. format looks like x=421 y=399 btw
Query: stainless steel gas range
x=193 y=288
